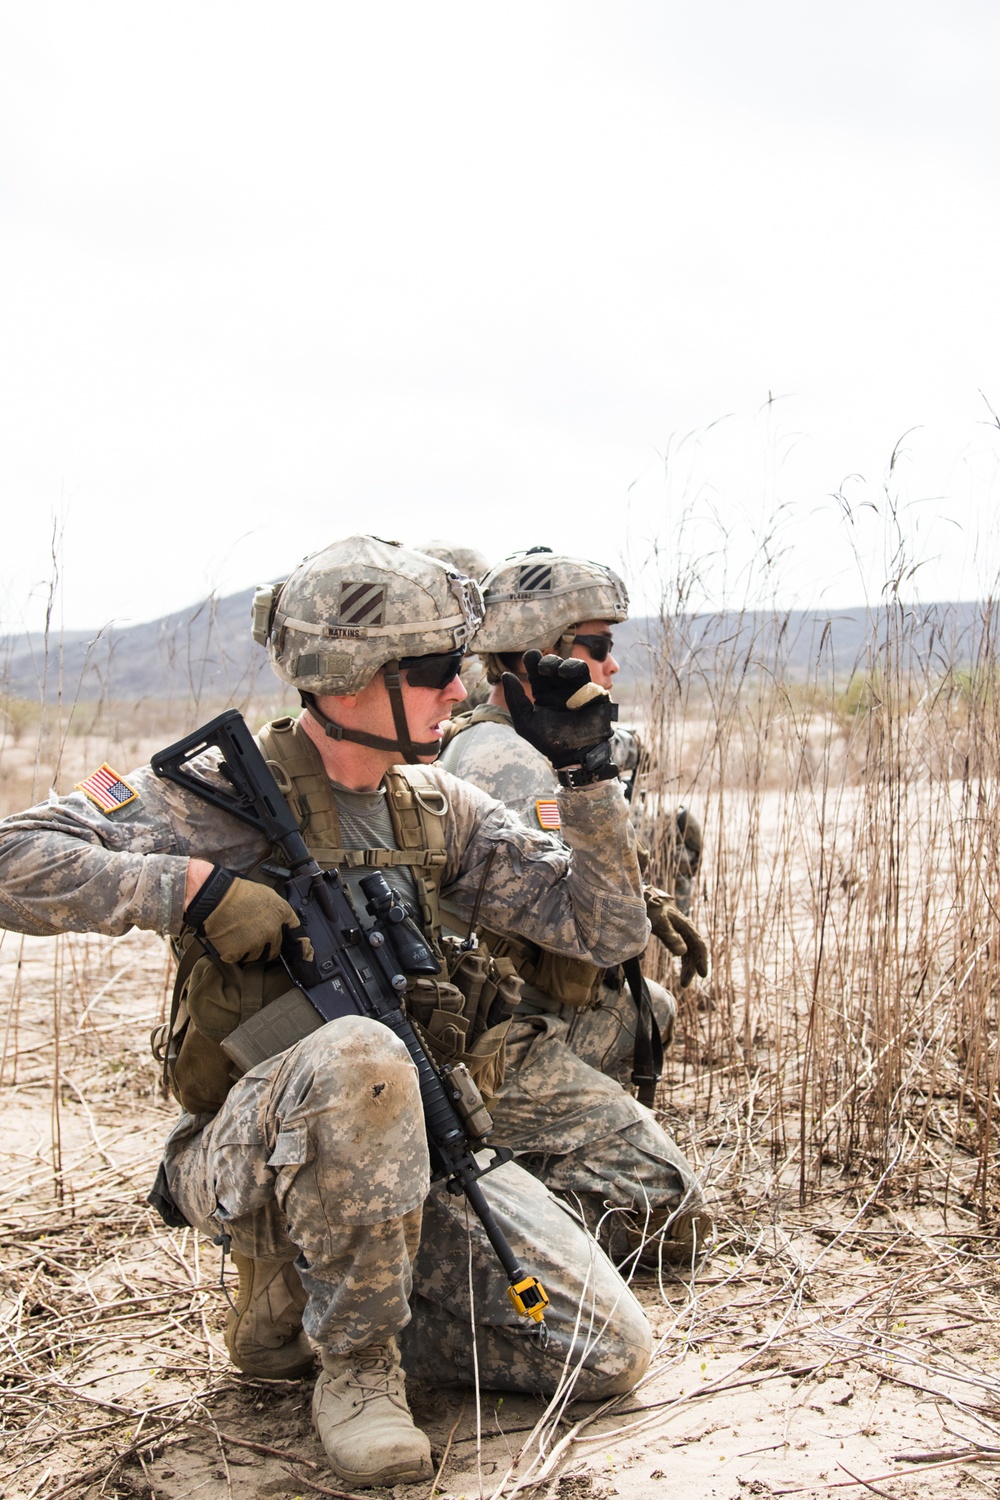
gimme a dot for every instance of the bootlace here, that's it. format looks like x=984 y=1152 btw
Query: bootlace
x=375 y=1375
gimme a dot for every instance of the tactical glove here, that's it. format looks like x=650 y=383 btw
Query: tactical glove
x=570 y=716
x=677 y=935
x=242 y=919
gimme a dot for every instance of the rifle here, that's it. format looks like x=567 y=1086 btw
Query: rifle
x=352 y=969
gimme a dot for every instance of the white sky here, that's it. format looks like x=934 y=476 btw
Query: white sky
x=275 y=273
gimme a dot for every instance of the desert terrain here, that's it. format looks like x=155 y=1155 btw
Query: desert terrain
x=834 y=1080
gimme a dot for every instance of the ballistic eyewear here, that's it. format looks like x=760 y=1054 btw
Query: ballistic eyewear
x=434 y=671
x=599 y=646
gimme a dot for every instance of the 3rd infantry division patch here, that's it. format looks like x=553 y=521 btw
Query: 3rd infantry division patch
x=107 y=789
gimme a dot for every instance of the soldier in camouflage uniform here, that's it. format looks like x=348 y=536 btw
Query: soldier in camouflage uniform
x=314 y=1163
x=473 y=564
x=571 y=1044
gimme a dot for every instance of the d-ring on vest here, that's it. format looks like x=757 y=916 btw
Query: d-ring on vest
x=417 y=808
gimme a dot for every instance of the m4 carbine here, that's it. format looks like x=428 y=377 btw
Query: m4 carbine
x=341 y=967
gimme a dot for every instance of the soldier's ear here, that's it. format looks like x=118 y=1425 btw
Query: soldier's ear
x=328 y=704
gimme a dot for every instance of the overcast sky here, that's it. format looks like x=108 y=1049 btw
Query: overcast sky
x=650 y=282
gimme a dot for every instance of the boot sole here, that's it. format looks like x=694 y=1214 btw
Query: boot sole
x=396 y=1474
x=294 y=1372
x=294 y=1368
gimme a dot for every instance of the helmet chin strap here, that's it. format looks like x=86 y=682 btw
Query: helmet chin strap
x=411 y=752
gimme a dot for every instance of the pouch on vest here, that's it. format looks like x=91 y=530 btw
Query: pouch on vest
x=567 y=981
x=211 y=999
x=466 y=1018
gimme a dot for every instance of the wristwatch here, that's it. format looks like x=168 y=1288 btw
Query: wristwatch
x=595 y=765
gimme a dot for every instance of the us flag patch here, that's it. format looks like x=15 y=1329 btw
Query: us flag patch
x=534 y=577
x=548 y=813
x=107 y=789
x=362 y=604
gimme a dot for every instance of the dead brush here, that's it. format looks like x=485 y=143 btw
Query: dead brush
x=849 y=883
x=835 y=1081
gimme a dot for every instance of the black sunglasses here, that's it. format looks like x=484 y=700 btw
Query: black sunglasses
x=434 y=671
x=599 y=646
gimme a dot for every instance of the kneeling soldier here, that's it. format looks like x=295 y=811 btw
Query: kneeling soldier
x=313 y=1163
x=573 y=1039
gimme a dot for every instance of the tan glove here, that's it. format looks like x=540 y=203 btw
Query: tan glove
x=247 y=923
x=679 y=936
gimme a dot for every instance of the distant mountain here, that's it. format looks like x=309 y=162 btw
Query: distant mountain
x=206 y=652
x=806 y=643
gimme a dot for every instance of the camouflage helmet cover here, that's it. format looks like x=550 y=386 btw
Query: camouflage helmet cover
x=534 y=598
x=349 y=609
x=466 y=559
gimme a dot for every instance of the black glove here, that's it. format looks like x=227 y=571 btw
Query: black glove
x=570 y=716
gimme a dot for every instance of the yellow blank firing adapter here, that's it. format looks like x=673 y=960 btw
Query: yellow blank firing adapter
x=529 y=1297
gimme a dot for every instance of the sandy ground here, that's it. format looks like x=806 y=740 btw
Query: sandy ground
x=840 y=1347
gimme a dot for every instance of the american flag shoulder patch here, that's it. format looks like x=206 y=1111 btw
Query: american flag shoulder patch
x=548 y=812
x=107 y=789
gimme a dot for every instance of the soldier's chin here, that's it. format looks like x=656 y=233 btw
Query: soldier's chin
x=434 y=733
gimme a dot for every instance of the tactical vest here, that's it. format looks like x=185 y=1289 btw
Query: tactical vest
x=486 y=713
x=549 y=976
x=463 y=1017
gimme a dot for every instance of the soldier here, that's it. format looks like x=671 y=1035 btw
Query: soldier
x=572 y=1042
x=473 y=564
x=467 y=560
x=314 y=1163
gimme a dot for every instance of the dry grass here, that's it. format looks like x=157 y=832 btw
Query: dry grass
x=849 y=891
x=836 y=1080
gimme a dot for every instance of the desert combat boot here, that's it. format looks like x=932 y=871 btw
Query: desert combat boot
x=670 y=1236
x=264 y=1335
x=361 y=1415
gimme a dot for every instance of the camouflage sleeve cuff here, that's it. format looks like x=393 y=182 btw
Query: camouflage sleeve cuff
x=166 y=875
x=150 y=893
x=77 y=889
x=587 y=809
x=606 y=879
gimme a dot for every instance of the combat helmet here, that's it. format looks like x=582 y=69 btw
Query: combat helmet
x=468 y=560
x=358 y=606
x=534 y=599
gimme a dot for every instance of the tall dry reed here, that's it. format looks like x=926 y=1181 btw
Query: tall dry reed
x=850 y=879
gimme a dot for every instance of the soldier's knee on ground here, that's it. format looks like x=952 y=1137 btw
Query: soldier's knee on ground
x=595 y=1333
x=603 y=1349
x=626 y=1350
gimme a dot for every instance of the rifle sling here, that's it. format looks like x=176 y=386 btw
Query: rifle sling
x=647 y=1057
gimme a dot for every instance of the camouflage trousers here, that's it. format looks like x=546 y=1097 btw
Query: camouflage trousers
x=320 y=1155
x=565 y=1112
